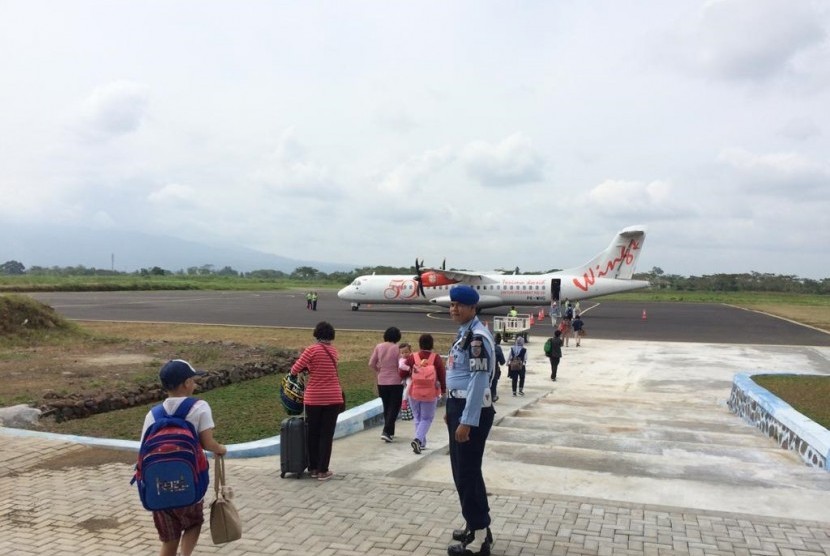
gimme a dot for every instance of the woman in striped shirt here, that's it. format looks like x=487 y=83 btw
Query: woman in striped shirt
x=323 y=398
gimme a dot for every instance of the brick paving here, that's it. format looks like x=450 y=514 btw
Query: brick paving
x=93 y=511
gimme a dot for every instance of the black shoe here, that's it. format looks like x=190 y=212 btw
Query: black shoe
x=462 y=550
x=466 y=536
x=416 y=446
x=463 y=535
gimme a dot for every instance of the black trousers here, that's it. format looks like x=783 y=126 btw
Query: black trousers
x=494 y=384
x=321 y=421
x=465 y=460
x=392 y=396
x=554 y=366
x=518 y=376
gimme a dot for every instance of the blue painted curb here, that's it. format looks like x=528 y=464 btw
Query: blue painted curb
x=807 y=430
x=349 y=422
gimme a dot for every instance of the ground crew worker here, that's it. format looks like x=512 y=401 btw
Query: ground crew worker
x=469 y=417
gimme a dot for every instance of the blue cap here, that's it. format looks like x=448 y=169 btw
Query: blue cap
x=464 y=294
x=175 y=372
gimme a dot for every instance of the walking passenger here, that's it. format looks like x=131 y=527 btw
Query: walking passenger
x=499 y=362
x=428 y=378
x=516 y=364
x=555 y=354
x=578 y=328
x=179 y=528
x=384 y=362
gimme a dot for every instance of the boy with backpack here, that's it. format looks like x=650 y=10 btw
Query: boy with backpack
x=428 y=382
x=174 y=437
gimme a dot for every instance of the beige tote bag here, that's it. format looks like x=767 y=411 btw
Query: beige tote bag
x=225 y=525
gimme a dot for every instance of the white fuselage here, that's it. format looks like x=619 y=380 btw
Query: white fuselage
x=608 y=272
x=494 y=290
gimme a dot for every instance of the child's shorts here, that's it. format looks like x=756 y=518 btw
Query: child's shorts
x=170 y=524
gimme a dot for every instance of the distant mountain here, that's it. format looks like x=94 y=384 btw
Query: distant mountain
x=62 y=246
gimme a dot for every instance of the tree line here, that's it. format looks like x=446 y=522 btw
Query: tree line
x=751 y=281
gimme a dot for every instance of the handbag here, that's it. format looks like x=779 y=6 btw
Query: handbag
x=225 y=525
x=406 y=411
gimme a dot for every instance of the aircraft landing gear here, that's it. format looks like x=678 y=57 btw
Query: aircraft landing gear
x=355 y=306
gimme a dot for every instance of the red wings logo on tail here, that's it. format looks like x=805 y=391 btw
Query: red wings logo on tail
x=626 y=255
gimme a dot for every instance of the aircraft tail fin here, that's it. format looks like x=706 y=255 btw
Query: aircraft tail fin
x=619 y=259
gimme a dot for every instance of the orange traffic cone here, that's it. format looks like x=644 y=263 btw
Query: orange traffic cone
x=644 y=314
x=541 y=314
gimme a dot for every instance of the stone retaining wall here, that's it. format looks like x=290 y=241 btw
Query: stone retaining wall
x=77 y=406
x=790 y=429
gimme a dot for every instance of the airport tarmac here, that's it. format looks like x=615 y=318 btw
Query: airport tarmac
x=612 y=320
x=631 y=451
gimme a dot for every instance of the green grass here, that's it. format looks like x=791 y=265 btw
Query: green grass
x=28 y=283
x=809 y=395
x=735 y=298
x=245 y=411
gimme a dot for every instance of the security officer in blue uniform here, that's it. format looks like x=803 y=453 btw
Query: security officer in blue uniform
x=469 y=417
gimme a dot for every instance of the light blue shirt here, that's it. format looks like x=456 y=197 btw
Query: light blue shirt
x=470 y=365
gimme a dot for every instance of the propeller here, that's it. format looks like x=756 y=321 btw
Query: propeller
x=418 y=278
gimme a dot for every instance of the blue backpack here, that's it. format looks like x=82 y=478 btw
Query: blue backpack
x=172 y=469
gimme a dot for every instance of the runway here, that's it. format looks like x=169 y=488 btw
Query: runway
x=610 y=320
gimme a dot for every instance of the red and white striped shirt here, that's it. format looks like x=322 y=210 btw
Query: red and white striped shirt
x=323 y=386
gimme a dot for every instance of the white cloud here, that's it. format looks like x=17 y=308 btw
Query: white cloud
x=523 y=136
x=635 y=200
x=117 y=108
x=102 y=220
x=290 y=170
x=173 y=194
x=800 y=129
x=754 y=40
x=410 y=175
x=513 y=161
x=779 y=174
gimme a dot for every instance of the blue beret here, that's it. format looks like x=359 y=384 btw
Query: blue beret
x=466 y=295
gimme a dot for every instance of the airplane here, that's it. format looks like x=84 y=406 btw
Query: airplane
x=608 y=272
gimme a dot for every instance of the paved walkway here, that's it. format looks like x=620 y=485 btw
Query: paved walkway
x=386 y=500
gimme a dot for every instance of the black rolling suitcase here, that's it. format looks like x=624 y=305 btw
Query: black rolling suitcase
x=293 y=446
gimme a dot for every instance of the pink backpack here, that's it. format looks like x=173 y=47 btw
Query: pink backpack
x=424 y=387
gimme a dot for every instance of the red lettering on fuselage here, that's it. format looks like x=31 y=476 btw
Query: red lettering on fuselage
x=400 y=288
x=589 y=278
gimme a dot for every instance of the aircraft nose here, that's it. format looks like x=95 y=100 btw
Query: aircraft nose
x=343 y=293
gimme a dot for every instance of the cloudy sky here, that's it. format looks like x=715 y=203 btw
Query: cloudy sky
x=494 y=134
